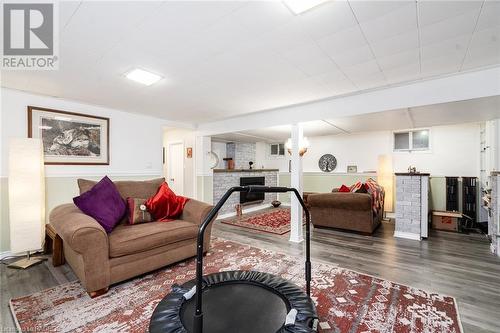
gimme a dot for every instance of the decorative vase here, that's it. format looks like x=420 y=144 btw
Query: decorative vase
x=276 y=203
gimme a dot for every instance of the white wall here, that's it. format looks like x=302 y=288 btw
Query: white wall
x=135 y=149
x=264 y=159
x=454 y=152
x=135 y=140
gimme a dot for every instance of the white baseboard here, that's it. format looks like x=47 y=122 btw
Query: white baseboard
x=296 y=240
x=247 y=210
x=407 y=235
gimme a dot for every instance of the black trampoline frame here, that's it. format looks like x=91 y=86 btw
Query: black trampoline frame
x=198 y=315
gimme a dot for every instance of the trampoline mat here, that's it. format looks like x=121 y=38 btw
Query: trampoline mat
x=248 y=307
x=236 y=302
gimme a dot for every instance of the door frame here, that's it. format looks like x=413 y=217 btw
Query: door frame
x=169 y=161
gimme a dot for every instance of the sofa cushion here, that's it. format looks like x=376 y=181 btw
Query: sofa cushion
x=129 y=239
x=103 y=203
x=165 y=205
x=137 y=211
x=128 y=188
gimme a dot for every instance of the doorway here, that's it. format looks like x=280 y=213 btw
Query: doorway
x=175 y=166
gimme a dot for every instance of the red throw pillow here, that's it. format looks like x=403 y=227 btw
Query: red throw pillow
x=344 y=188
x=165 y=205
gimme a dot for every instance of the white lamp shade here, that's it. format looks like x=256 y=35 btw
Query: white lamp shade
x=26 y=195
x=385 y=178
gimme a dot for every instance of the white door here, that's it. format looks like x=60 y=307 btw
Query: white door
x=175 y=163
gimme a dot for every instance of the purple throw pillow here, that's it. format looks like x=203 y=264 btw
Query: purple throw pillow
x=104 y=203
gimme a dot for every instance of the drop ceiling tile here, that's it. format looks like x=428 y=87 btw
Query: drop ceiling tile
x=187 y=17
x=378 y=121
x=360 y=71
x=342 y=41
x=405 y=58
x=352 y=57
x=398 y=21
x=90 y=31
x=262 y=16
x=367 y=10
x=484 y=49
x=319 y=128
x=327 y=19
x=441 y=65
x=66 y=11
x=431 y=12
x=310 y=59
x=486 y=37
x=397 y=44
x=289 y=36
x=449 y=28
x=453 y=46
x=490 y=15
x=403 y=74
x=368 y=81
x=333 y=83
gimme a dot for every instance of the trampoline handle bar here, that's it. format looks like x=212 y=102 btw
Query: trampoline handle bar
x=198 y=315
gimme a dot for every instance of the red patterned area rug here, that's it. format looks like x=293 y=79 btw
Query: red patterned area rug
x=275 y=221
x=346 y=301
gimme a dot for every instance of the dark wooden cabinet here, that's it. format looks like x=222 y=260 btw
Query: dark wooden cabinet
x=452 y=194
x=469 y=197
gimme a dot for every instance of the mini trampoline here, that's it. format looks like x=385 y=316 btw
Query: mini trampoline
x=238 y=301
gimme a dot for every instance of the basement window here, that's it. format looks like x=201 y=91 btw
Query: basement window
x=412 y=140
x=277 y=149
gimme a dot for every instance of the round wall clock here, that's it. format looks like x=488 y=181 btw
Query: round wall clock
x=327 y=163
x=213 y=160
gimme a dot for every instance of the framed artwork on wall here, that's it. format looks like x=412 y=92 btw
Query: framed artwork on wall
x=70 y=138
x=189 y=152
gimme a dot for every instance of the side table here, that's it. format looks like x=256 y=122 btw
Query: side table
x=54 y=244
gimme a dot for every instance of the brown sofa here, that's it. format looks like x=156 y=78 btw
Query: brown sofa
x=347 y=211
x=100 y=259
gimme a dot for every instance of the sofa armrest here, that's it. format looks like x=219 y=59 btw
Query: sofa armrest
x=85 y=244
x=352 y=201
x=195 y=211
x=78 y=230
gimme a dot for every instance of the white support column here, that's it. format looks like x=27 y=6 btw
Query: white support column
x=296 y=182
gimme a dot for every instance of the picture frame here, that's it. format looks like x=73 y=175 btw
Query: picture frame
x=352 y=169
x=189 y=152
x=70 y=138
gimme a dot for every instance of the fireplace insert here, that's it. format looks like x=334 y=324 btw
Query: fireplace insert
x=251 y=197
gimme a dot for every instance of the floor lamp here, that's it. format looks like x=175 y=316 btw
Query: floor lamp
x=26 y=199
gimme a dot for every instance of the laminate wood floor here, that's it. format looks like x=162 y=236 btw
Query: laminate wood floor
x=453 y=264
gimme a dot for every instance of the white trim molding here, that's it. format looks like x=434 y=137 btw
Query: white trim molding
x=407 y=235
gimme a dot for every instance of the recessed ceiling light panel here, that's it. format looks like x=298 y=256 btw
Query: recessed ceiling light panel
x=143 y=77
x=300 y=6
